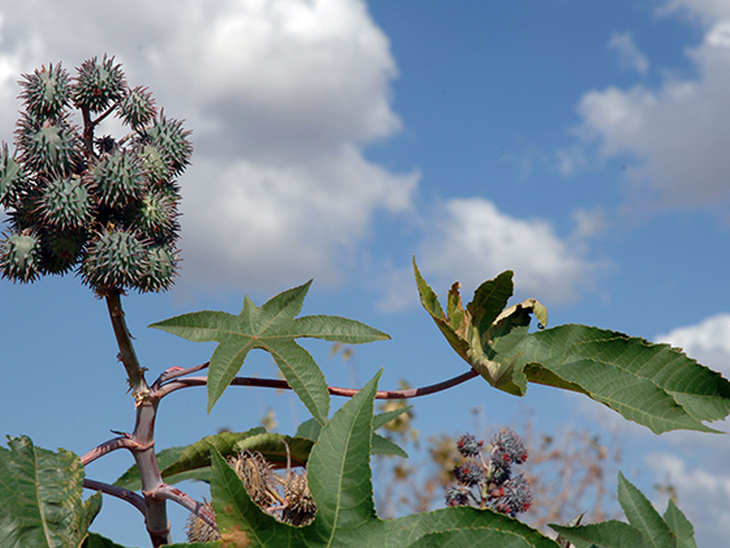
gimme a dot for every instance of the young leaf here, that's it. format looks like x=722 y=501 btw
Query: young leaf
x=680 y=526
x=40 y=497
x=642 y=515
x=340 y=483
x=607 y=534
x=197 y=455
x=273 y=328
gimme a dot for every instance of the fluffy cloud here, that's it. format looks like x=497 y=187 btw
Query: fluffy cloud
x=282 y=96
x=678 y=133
x=704 y=496
x=472 y=240
x=708 y=341
x=629 y=55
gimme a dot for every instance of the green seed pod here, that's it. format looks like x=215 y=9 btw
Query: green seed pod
x=156 y=216
x=118 y=179
x=12 y=177
x=46 y=147
x=161 y=269
x=61 y=250
x=115 y=259
x=65 y=204
x=137 y=108
x=153 y=164
x=19 y=257
x=46 y=92
x=168 y=136
x=98 y=85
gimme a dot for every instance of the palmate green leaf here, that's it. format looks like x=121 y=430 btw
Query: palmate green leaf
x=652 y=384
x=40 y=497
x=273 y=328
x=339 y=479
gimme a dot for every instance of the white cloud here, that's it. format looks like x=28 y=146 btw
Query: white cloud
x=707 y=10
x=282 y=95
x=704 y=496
x=472 y=241
x=678 y=133
x=708 y=341
x=629 y=55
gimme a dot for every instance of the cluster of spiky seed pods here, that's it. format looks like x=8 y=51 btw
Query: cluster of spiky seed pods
x=106 y=207
x=263 y=485
x=491 y=483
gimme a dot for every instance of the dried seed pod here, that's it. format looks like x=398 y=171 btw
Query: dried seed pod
x=299 y=507
x=258 y=477
x=198 y=530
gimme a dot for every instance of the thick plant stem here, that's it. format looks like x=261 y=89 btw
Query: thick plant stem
x=127 y=355
x=143 y=438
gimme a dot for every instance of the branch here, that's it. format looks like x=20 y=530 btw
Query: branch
x=125 y=494
x=186 y=501
x=334 y=390
x=122 y=442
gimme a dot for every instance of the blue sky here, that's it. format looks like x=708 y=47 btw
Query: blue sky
x=581 y=144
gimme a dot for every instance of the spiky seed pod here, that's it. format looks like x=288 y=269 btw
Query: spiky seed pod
x=469 y=446
x=470 y=473
x=171 y=140
x=47 y=147
x=258 y=478
x=516 y=496
x=156 y=216
x=161 y=269
x=60 y=251
x=198 y=530
x=46 y=92
x=98 y=84
x=457 y=495
x=65 y=204
x=114 y=259
x=157 y=171
x=118 y=179
x=19 y=256
x=137 y=108
x=12 y=177
x=508 y=448
x=299 y=509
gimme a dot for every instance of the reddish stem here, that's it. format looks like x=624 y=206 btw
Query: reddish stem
x=334 y=390
x=125 y=494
